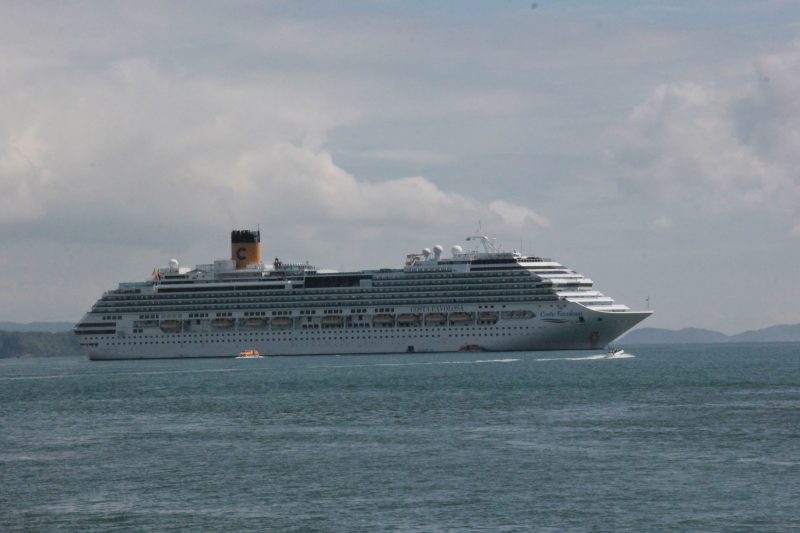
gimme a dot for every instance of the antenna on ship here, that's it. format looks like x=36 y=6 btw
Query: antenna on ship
x=648 y=302
x=488 y=244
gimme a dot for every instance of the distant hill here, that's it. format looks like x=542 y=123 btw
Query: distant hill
x=52 y=327
x=38 y=344
x=785 y=333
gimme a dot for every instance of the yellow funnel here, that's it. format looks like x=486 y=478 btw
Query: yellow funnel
x=245 y=247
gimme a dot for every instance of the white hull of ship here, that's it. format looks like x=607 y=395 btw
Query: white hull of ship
x=572 y=327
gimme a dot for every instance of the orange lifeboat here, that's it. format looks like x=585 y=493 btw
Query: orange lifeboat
x=281 y=322
x=460 y=318
x=383 y=320
x=488 y=316
x=435 y=318
x=408 y=319
x=170 y=325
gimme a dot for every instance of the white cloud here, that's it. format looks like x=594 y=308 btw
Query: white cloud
x=720 y=149
x=516 y=216
x=134 y=142
x=24 y=183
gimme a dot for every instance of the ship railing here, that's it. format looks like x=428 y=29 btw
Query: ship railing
x=133 y=284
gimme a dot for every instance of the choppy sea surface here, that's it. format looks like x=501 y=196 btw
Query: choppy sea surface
x=693 y=437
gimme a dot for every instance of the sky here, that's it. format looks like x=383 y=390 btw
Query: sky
x=653 y=146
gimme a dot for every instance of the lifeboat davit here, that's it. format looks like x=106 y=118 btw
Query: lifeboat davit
x=222 y=323
x=255 y=322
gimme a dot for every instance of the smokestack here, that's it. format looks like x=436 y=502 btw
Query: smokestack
x=245 y=247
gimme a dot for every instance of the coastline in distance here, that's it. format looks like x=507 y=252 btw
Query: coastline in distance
x=780 y=333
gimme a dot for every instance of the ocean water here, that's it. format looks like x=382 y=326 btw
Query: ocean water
x=702 y=437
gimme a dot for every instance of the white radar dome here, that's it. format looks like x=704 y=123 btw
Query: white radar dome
x=173 y=263
x=457 y=250
x=437 y=251
x=426 y=252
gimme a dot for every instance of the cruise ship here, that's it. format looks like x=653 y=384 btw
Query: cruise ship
x=479 y=299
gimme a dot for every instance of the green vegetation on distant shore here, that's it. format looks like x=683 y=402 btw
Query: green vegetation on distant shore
x=38 y=344
x=51 y=327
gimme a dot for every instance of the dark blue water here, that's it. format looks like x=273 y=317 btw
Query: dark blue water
x=703 y=437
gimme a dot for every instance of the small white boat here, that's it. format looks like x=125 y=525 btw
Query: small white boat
x=614 y=352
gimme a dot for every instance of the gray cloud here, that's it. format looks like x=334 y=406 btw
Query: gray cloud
x=721 y=149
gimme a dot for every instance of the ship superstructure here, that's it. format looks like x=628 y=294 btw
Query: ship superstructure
x=473 y=300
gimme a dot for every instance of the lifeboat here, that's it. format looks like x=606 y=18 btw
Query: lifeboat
x=332 y=320
x=281 y=322
x=460 y=318
x=255 y=322
x=408 y=319
x=383 y=319
x=435 y=318
x=170 y=325
x=222 y=323
x=488 y=316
